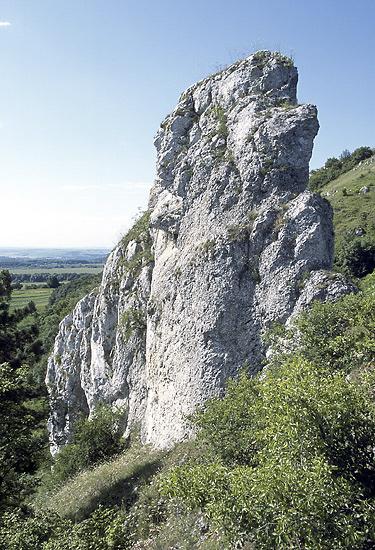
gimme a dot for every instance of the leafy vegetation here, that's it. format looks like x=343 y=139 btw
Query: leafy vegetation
x=16 y=343
x=283 y=461
x=93 y=441
x=26 y=339
x=140 y=234
x=291 y=461
x=354 y=256
x=47 y=531
x=132 y=320
x=262 y=59
x=20 y=442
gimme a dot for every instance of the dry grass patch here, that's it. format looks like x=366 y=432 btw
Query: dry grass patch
x=114 y=483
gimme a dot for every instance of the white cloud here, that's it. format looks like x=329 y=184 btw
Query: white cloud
x=132 y=185
x=82 y=187
x=128 y=186
x=4 y=24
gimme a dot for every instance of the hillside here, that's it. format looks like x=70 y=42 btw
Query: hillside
x=300 y=476
x=352 y=196
x=353 y=205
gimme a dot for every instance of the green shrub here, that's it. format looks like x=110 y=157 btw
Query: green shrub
x=291 y=462
x=355 y=257
x=21 y=531
x=103 y=530
x=133 y=319
x=305 y=476
x=93 y=441
x=340 y=335
x=228 y=423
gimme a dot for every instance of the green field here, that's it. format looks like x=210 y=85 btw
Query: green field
x=40 y=297
x=46 y=268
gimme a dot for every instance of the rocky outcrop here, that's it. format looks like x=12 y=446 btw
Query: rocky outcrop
x=100 y=351
x=232 y=243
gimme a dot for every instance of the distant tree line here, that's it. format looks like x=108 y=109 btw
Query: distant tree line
x=334 y=167
x=43 y=277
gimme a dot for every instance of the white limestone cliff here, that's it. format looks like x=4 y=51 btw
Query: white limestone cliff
x=232 y=243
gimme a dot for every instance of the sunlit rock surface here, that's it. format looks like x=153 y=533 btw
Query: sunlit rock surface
x=232 y=243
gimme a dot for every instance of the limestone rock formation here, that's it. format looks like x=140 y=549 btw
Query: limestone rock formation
x=232 y=243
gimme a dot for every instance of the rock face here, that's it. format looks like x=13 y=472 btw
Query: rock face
x=232 y=243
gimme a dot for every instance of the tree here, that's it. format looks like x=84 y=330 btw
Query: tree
x=13 y=340
x=31 y=306
x=362 y=153
x=345 y=154
x=5 y=319
x=20 y=448
x=53 y=282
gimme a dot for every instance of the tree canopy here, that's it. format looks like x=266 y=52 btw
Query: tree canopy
x=20 y=446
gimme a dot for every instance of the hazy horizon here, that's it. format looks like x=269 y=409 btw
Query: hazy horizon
x=50 y=252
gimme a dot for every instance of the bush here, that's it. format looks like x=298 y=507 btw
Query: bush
x=306 y=480
x=340 y=336
x=229 y=423
x=292 y=462
x=103 y=530
x=93 y=441
x=53 y=282
x=355 y=257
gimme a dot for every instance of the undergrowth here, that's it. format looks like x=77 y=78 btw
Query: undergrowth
x=283 y=461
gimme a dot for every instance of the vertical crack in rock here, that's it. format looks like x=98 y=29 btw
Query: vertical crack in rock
x=232 y=243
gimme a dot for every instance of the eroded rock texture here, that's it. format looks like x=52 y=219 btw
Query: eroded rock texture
x=232 y=243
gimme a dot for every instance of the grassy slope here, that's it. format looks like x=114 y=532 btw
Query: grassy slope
x=112 y=483
x=129 y=483
x=353 y=208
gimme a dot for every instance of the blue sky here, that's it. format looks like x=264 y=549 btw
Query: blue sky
x=85 y=85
